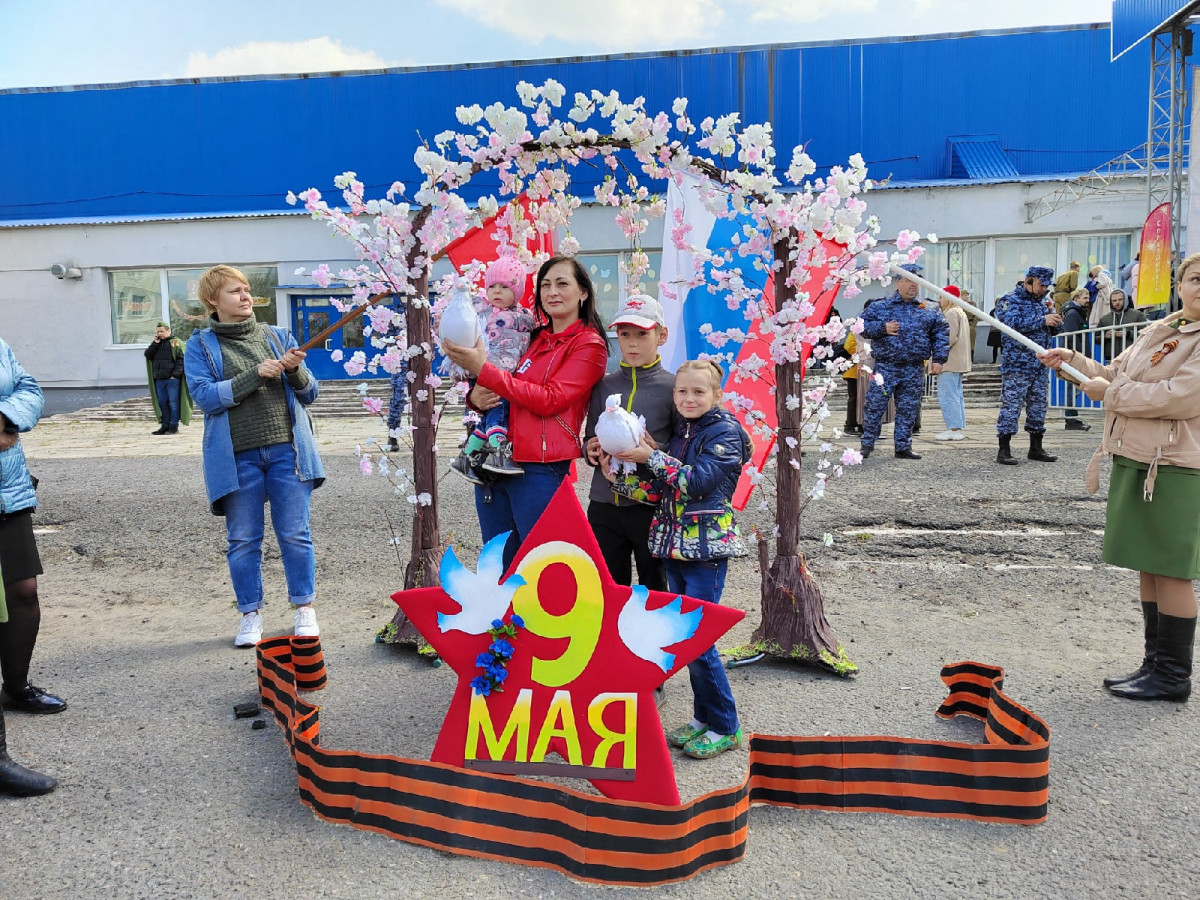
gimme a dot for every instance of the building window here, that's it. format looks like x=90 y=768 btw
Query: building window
x=141 y=298
x=1108 y=250
x=608 y=277
x=137 y=305
x=1014 y=256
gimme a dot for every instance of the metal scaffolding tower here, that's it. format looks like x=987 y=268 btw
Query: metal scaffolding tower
x=1162 y=160
x=1168 y=130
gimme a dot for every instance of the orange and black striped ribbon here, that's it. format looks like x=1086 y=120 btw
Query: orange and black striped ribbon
x=618 y=842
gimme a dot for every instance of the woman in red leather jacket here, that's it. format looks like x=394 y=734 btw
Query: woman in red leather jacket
x=548 y=394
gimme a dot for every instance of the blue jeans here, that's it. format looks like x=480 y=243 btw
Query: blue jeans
x=269 y=474
x=515 y=502
x=712 y=703
x=167 y=391
x=494 y=421
x=950 y=399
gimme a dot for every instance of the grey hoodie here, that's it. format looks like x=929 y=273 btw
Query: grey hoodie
x=647 y=391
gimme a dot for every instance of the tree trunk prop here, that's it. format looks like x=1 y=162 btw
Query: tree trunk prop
x=426 y=554
x=793 y=624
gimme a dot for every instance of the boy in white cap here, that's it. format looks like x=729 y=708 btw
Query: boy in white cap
x=622 y=525
x=508 y=325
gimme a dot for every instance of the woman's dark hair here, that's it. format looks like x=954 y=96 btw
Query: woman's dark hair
x=587 y=310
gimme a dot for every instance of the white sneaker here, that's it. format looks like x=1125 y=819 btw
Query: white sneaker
x=949 y=435
x=306 y=622
x=249 y=631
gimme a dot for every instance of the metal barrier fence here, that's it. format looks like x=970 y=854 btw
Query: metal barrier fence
x=1102 y=344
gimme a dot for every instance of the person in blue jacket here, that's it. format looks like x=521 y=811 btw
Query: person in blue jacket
x=1023 y=380
x=20 y=614
x=903 y=334
x=251 y=383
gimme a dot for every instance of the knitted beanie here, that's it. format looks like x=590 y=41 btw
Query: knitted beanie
x=508 y=271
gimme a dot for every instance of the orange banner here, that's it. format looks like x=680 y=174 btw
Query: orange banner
x=1154 y=259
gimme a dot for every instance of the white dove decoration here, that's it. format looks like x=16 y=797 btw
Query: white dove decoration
x=646 y=632
x=619 y=430
x=482 y=598
x=459 y=322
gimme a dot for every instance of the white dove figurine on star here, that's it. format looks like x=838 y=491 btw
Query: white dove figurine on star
x=619 y=430
x=646 y=632
x=482 y=598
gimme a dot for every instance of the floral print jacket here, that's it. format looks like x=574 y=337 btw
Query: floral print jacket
x=693 y=484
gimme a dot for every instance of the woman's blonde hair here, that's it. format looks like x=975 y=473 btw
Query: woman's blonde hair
x=213 y=280
x=711 y=367
x=1188 y=263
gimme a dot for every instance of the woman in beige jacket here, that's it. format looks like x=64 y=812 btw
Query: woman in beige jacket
x=1151 y=396
x=950 y=379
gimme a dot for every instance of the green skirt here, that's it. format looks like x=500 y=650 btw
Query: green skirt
x=1161 y=537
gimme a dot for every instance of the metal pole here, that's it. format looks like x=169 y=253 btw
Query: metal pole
x=971 y=310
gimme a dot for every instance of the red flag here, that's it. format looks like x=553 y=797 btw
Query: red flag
x=759 y=389
x=479 y=245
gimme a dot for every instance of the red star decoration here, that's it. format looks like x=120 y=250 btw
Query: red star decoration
x=570 y=594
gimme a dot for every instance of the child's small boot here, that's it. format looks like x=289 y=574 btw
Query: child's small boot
x=500 y=462
x=466 y=465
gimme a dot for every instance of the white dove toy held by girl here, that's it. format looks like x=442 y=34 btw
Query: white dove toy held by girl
x=507 y=326
x=694 y=531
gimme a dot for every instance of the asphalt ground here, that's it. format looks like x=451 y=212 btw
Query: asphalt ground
x=164 y=794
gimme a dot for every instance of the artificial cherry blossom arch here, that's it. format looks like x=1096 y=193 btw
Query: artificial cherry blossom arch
x=533 y=151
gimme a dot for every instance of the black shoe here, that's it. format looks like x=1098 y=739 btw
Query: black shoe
x=393 y=445
x=907 y=454
x=1171 y=677
x=1036 y=452
x=32 y=699
x=1004 y=454
x=16 y=779
x=174 y=429
x=865 y=451
x=500 y=461
x=852 y=429
x=1074 y=424
x=162 y=429
x=465 y=467
x=19 y=781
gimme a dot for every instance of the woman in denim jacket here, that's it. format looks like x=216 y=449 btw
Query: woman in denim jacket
x=250 y=381
x=694 y=531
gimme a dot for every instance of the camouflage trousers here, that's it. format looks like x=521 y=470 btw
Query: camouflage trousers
x=1023 y=387
x=905 y=382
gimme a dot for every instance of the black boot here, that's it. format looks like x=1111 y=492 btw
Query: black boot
x=1150 y=621
x=16 y=779
x=1004 y=454
x=1035 y=448
x=1171 y=677
x=907 y=454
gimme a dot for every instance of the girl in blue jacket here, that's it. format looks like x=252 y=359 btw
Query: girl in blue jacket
x=695 y=533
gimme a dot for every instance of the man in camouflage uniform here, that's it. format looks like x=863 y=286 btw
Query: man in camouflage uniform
x=1023 y=379
x=903 y=335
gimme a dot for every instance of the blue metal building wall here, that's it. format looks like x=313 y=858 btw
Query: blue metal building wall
x=1052 y=96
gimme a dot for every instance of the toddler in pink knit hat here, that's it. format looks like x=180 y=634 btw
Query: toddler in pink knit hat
x=507 y=329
